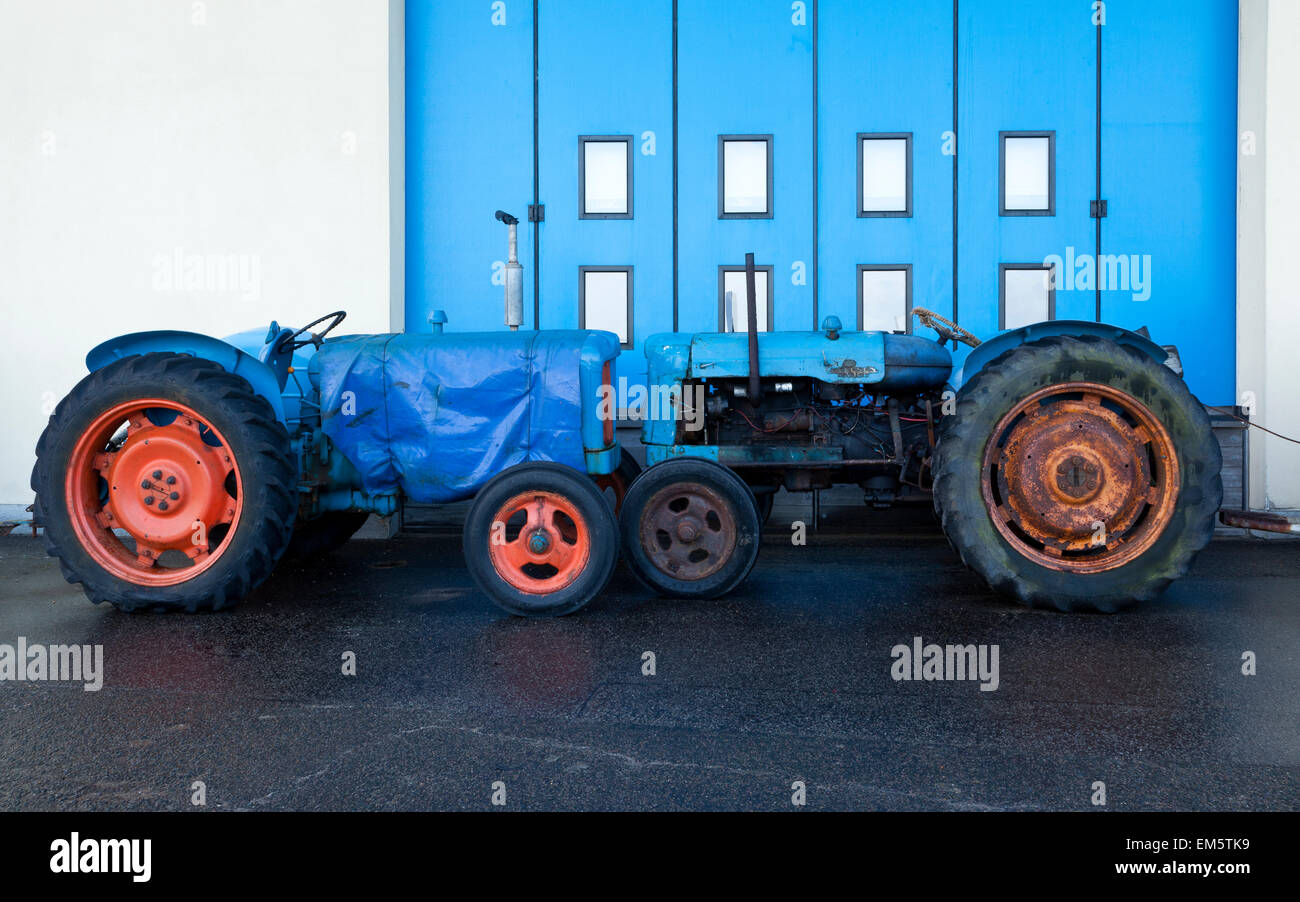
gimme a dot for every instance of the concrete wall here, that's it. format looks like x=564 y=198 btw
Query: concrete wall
x=1268 y=302
x=169 y=164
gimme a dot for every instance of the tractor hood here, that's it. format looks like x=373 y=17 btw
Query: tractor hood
x=438 y=415
x=895 y=363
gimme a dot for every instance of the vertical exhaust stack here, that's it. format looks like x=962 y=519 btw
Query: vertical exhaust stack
x=751 y=311
x=514 y=275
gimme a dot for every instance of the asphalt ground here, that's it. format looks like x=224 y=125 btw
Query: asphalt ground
x=787 y=681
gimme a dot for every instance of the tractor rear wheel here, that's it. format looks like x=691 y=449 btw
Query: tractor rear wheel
x=541 y=540
x=1077 y=474
x=690 y=529
x=164 y=482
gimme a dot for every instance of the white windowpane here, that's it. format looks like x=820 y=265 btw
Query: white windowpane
x=735 y=305
x=744 y=177
x=1026 y=295
x=884 y=175
x=1027 y=173
x=605 y=297
x=605 y=170
x=884 y=300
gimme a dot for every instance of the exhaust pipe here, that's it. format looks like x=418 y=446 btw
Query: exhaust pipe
x=514 y=275
x=751 y=310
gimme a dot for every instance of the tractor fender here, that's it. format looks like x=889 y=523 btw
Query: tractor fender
x=990 y=350
x=227 y=356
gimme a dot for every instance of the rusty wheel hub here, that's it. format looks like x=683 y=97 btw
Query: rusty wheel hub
x=688 y=531
x=1080 y=477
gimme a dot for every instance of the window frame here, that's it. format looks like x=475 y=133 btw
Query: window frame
x=906 y=212
x=722 y=294
x=1050 y=135
x=583 y=141
x=630 y=344
x=1003 y=268
x=722 y=177
x=886 y=267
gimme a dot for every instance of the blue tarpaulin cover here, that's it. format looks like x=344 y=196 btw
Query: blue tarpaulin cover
x=439 y=415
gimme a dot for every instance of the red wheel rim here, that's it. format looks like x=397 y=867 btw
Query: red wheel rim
x=1080 y=477
x=539 y=542
x=170 y=482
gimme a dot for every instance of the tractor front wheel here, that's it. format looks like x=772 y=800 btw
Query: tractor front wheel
x=690 y=529
x=541 y=540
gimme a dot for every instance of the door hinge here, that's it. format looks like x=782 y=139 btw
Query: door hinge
x=1097 y=209
x=537 y=212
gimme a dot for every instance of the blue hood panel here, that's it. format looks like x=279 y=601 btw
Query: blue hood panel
x=886 y=360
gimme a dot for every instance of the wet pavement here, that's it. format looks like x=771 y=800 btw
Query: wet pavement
x=788 y=680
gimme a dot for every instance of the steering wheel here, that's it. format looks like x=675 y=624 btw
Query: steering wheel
x=291 y=343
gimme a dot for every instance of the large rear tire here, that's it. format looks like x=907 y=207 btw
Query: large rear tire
x=1077 y=474
x=164 y=482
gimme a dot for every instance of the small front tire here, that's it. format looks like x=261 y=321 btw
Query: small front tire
x=541 y=540
x=690 y=529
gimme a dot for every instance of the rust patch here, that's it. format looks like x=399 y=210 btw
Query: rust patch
x=1080 y=477
x=688 y=531
x=849 y=369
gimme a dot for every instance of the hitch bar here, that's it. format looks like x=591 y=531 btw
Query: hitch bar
x=1261 y=520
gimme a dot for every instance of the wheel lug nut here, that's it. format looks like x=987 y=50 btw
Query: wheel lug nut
x=145 y=484
x=175 y=496
x=149 y=500
x=157 y=474
x=162 y=505
x=171 y=480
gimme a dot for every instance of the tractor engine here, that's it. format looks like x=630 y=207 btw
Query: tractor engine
x=804 y=434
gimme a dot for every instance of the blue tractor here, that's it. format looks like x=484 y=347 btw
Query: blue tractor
x=183 y=468
x=1068 y=462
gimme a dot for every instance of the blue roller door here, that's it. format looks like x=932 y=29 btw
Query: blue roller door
x=814 y=76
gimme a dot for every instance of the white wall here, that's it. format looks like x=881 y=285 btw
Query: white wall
x=132 y=131
x=1268 y=300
